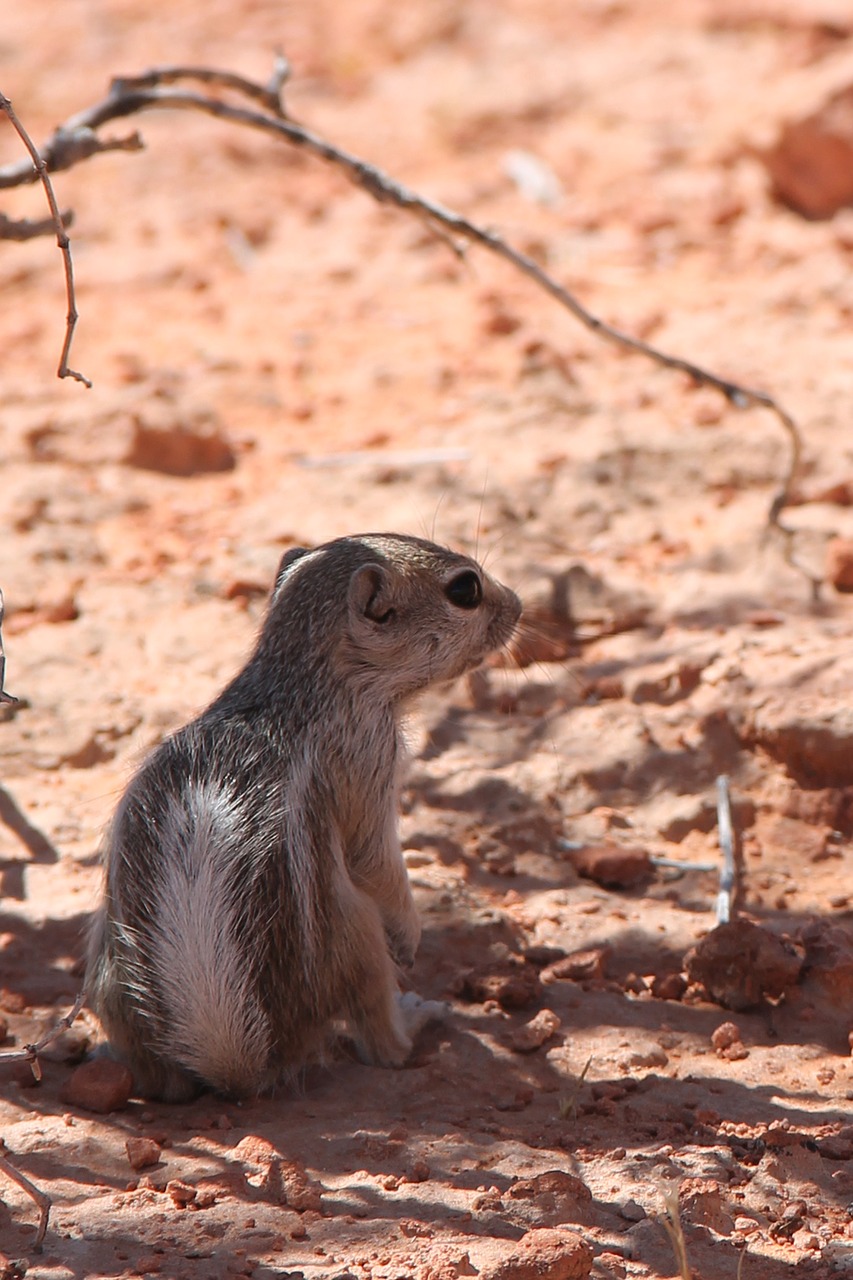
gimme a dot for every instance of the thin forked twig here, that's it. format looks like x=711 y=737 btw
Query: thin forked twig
x=64 y=371
x=41 y=1198
x=155 y=89
x=30 y=1052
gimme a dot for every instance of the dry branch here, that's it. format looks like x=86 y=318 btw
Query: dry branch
x=76 y=140
x=41 y=1198
x=30 y=1052
x=40 y=173
x=30 y=228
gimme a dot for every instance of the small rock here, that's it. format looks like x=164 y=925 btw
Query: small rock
x=181 y=1193
x=580 y=966
x=540 y=1254
x=701 y=1203
x=255 y=1150
x=282 y=1181
x=549 y=1199
x=839 y=563
x=611 y=865
x=301 y=1193
x=150 y=1264
x=836 y=1147
x=64 y=610
x=631 y=1211
x=613 y=1264
x=244 y=589
x=726 y=1034
x=533 y=1034
x=669 y=986
x=651 y=1058
x=828 y=967
x=100 y=1085
x=178 y=450
x=12 y=1268
x=740 y=963
x=513 y=986
x=142 y=1152
x=806 y=1239
x=811 y=164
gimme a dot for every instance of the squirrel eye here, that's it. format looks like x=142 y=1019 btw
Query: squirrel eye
x=465 y=590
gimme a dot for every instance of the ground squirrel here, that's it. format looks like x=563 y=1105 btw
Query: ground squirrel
x=255 y=891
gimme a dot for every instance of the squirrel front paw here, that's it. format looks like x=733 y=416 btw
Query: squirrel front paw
x=403 y=942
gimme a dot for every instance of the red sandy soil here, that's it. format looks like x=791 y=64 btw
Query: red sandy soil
x=244 y=297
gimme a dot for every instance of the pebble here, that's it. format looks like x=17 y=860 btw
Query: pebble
x=533 y=1034
x=540 y=1254
x=142 y=1152
x=611 y=865
x=100 y=1085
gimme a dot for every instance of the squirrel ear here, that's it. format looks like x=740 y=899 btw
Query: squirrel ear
x=370 y=593
x=289 y=558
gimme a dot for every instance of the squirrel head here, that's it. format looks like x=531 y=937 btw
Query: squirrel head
x=390 y=612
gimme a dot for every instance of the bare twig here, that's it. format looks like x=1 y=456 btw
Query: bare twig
x=680 y=864
x=30 y=1052
x=155 y=89
x=4 y=696
x=64 y=371
x=41 y=1198
x=727 y=845
x=30 y=228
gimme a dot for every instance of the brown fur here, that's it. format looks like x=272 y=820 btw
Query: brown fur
x=255 y=891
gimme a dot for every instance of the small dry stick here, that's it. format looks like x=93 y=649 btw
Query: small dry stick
x=41 y=1198
x=727 y=845
x=30 y=1052
x=30 y=228
x=4 y=696
x=64 y=371
x=76 y=139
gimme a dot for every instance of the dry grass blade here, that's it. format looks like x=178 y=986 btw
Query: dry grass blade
x=568 y=1103
x=671 y=1223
